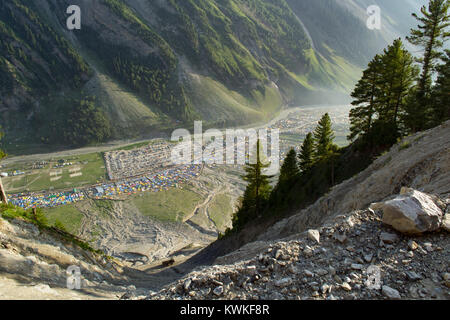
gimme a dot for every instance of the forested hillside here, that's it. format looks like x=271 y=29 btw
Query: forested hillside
x=395 y=98
x=148 y=65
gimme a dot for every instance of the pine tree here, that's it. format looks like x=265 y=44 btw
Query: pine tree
x=380 y=96
x=400 y=74
x=430 y=35
x=441 y=93
x=307 y=155
x=289 y=170
x=258 y=188
x=323 y=137
x=365 y=97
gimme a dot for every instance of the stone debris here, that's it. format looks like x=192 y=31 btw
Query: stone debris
x=374 y=263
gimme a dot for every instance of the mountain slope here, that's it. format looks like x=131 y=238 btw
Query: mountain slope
x=152 y=64
x=326 y=250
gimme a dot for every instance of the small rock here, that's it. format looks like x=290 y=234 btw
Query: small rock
x=308 y=273
x=356 y=266
x=359 y=260
x=325 y=288
x=428 y=246
x=314 y=235
x=322 y=272
x=346 y=286
x=340 y=237
x=251 y=270
x=388 y=237
x=413 y=245
x=292 y=269
x=349 y=222
x=187 y=284
x=391 y=293
x=278 y=254
x=308 y=251
x=218 y=291
x=368 y=257
x=283 y=283
x=413 y=276
x=331 y=270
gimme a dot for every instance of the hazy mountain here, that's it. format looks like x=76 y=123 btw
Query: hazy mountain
x=153 y=64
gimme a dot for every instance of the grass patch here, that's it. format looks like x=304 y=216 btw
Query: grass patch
x=168 y=205
x=69 y=217
x=10 y=212
x=220 y=211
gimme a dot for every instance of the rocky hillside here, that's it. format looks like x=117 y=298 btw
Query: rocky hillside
x=151 y=64
x=373 y=226
x=325 y=251
x=34 y=264
x=330 y=263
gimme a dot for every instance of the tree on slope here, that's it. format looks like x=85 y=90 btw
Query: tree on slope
x=289 y=170
x=399 y=74
x=441 y=93
x=430 y=35
x=307 y=156
x=365 y=97
x=323 y=137
x=257 y=191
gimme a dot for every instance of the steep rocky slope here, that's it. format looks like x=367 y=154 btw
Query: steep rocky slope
x=34 y=263
x=325 y=251
x=336 y=268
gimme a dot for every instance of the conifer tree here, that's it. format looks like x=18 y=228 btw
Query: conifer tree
x=289 y=170
x=323 y=137
x=430 y=35
x=380 y=96
x=365 y=97
x=400 y=74
x=258 y=188
x=441 y=93
x=306 y=155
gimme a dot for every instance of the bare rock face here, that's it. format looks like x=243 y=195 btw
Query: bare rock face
x=412 y=212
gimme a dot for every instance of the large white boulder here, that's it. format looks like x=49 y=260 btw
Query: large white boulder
x=412 y=212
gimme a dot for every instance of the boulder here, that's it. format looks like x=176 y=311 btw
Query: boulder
x=413 y=212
